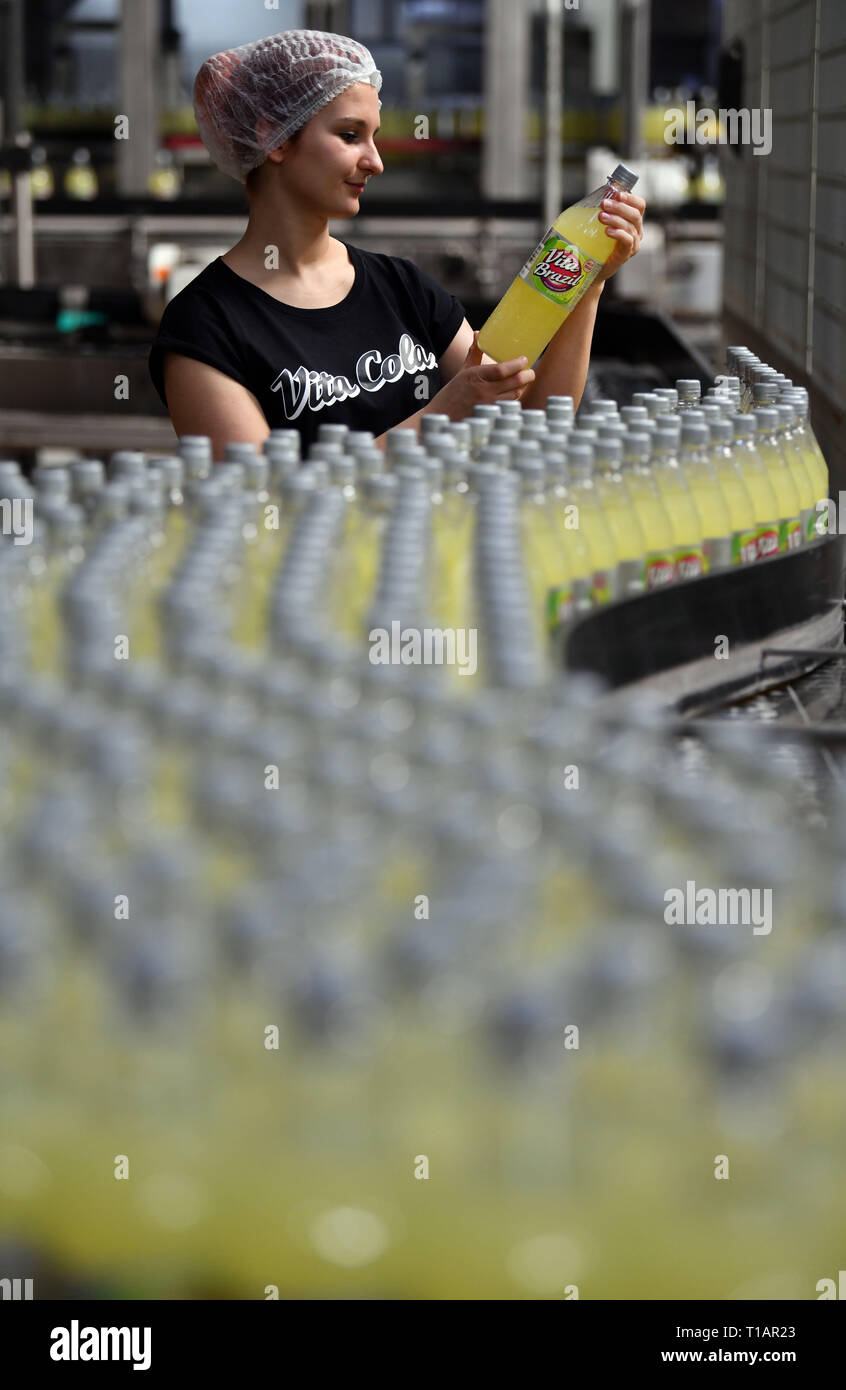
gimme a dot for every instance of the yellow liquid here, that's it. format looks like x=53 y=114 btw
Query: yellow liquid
x=524 y=320
x=601 y=545
x=451 y=583
x=355 y=571
x=786 y=494
x=565 y=517
x=764 y=502
x=625 y=527
x=656 y=527
x=806 y=483
x=685 y=521
x=741 y=511
x=547 y=567
x=814 y=459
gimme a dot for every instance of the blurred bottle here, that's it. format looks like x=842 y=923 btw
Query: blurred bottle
x=80 y=181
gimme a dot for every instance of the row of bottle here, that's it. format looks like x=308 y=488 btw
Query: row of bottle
x=80 y=180
x=453 y=915
x=233 y=821
x=597 y=510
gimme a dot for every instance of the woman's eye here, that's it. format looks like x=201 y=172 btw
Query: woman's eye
x=346 y=133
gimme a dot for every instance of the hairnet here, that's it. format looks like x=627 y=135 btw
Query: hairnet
x=248 y=100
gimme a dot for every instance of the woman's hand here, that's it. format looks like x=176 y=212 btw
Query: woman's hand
x=622 y=218
x=477 y=383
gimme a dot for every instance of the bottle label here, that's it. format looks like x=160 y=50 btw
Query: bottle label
x=660 y=568
x=631 y=577
x=767 y=539
x=790 y=533
x=690 y=562
x=559 y=607
x=808 y=519
x=718 y=552
x=603 y=588
x=744 y=547
x=559 y=270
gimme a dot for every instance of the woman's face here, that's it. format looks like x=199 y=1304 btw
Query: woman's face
x=335 y=151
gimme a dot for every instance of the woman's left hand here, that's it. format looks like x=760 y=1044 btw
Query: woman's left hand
x=622 y=217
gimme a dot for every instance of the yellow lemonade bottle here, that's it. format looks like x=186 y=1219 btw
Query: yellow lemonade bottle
x=562 y=266
x=806 y=442
x=707 y=493
x=780 y=476
x=678 y=499
x=620 y=513
x=357 y=563
x=547 y=568
x=593 y=524
x=744 y=542
x=758 y=485
x=806 y=482
x=660 y=567
x=566 y=520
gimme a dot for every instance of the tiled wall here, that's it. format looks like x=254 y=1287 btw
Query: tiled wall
x=785 y=227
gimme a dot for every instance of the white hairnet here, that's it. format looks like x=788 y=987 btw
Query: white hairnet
x=248 y=100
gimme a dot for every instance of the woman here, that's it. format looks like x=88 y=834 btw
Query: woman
x=292 y=327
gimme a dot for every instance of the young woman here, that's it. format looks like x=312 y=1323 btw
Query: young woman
x=293 y=327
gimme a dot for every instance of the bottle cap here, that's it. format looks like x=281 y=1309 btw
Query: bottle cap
x=743 y=426
x=127 y=463
x=694 y=432
x=766 y=418
x=627 y=178
x=238 y=451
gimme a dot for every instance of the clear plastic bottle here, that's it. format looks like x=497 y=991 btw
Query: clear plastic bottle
x=680 y=504
x=698 y=469
x=562 y=266
x=621 y=515
x=593 y=524
x=812 y=453
x=660 y=565
x=806 y=482
x=780 y=476
x=744 y=544
x=689 y=393
x=758 y=485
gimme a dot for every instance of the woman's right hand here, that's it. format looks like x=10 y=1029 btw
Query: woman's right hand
x=479 y=383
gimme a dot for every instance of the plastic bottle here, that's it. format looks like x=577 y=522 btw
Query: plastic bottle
x=679 y=501
x=744 y=544
x=660 y=565
x=780 y=476
x=544 y=549
x=689 y=392
x=758 y=486
x=812 y=454
x=708 y=495
x=593 y=524
x=622 y=517
x=806 y=482
x=563 y=265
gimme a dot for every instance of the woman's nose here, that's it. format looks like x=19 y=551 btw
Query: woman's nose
x=373 y=162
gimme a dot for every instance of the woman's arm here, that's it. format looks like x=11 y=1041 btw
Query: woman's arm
x=202 y=400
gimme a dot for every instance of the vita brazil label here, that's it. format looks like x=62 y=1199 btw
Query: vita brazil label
x=559 y=270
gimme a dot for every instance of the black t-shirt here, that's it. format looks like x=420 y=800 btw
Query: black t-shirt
x=369 y=362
